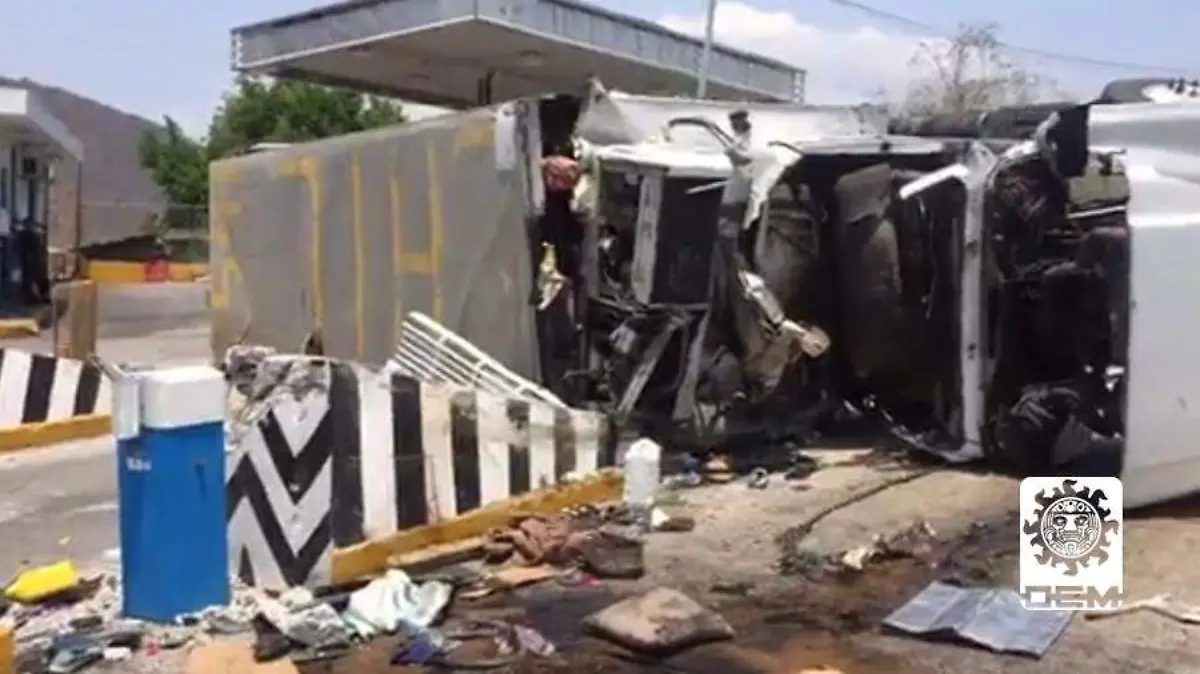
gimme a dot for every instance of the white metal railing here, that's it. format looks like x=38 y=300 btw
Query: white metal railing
x=430 y=352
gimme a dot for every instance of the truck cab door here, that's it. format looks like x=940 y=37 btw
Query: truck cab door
x=970 y=174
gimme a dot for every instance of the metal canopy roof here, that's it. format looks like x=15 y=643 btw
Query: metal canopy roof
x=24 y=118
x=441 y=52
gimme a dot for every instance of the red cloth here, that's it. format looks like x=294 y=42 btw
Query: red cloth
x=560 y=173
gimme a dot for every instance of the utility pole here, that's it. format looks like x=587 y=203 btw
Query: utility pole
x=706 y=52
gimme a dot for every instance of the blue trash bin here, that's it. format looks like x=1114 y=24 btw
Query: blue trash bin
x=171 y=463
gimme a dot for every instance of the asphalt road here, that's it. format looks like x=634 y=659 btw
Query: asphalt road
x=58 y=502
x=163 y=323
x=139 y=310
x=62 y=500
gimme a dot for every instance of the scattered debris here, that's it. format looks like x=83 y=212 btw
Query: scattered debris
x=993 y=618
x=1160 y=604
x=917 y=541
x=42 y=583
x=501 y=635
x=508 y=578
x=643 y=473
x=533 y=540
x=419 y=651
x=737 y=588
x=688 y=476
x=717 y=470
x=394 y=602
x=856 y=559
x=8 y=649
x=534 y=642
x=802 y=466
x=117 y=653
x=683 y=480
x=610 y=554
x=260 y=377
x=73 y=652
x=662 y=521
x=812 y=521
x=793 y=559
x=659 y=622
x=443 y=622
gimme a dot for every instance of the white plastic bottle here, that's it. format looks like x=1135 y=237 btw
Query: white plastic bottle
x=643 y=471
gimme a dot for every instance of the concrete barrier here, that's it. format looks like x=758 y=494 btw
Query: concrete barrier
x=46 y=400
x=350 y=467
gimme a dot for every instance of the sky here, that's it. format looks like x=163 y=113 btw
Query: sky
x=171 y=57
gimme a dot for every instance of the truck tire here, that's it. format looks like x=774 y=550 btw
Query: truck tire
x=868 y=262
x=871 y=296
x=786 y=257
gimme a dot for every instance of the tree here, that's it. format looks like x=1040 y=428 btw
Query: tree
x=290 y=112
x=254 y=112
x=970 y=72
x=179 y=166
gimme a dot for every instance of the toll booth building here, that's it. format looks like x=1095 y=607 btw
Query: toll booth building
x=464 y=53
x=31 y=140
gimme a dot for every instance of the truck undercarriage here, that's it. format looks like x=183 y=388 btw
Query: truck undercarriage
x=969 y=303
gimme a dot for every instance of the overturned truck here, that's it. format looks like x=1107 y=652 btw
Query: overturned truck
x=691 y=265
x=1008 y=305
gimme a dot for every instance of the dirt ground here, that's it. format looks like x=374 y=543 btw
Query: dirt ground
x=790 y=623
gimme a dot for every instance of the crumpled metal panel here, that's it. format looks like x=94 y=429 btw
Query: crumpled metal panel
x=348 y=235
x=993 y=618
x=614 y=117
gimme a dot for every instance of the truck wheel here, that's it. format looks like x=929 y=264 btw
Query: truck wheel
x=871 y=295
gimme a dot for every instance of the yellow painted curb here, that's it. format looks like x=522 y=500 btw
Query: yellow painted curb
x=121 y=272
x=28 y=436
x=371 y=557
x=109 y=272
x=186 y=271
x=12 y=328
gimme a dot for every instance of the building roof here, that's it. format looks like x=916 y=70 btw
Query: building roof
x=119 y=196
x=25 y=117
x=437 y=51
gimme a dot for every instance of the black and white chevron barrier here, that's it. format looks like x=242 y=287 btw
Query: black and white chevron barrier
x=36 y=389
x=354 y=454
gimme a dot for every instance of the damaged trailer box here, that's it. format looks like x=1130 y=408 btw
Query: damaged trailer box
x=1021 y=307
x=326 y=246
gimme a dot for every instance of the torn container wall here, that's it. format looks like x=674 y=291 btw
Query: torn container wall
x=333 y=242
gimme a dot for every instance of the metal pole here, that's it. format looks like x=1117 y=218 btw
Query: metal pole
x=706 y=53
